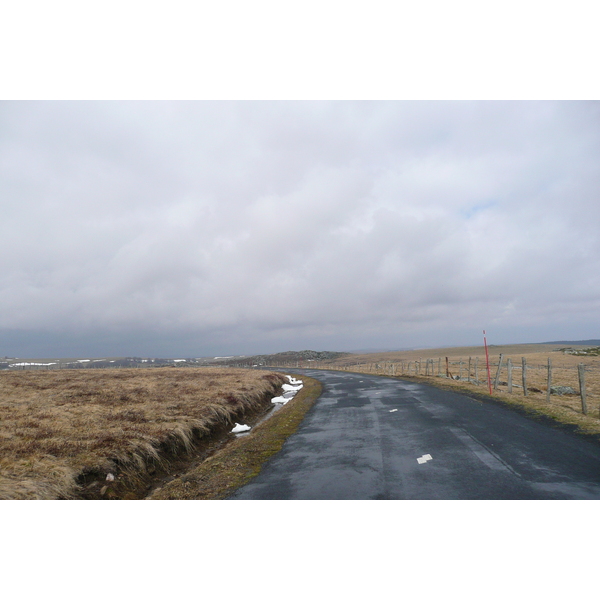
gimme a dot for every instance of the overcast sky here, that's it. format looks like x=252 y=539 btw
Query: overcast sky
x=216 y=228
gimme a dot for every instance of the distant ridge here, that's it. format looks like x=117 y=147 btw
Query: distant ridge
x=282 y=357
x=576 y=343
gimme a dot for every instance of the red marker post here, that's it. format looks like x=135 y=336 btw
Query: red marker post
x=487 y=361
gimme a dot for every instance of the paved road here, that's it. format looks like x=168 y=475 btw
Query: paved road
x=364 y=435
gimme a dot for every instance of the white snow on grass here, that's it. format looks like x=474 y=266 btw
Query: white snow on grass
x=289 y=390
x=239 y=428
x=179 y=360
x=84 y=360
x=28 y=364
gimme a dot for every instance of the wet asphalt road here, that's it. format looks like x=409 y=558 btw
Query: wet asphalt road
x=352 y=446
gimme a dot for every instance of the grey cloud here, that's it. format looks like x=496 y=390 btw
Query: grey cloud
x=249 y=226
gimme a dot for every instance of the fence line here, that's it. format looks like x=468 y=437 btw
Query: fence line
x=469 y=371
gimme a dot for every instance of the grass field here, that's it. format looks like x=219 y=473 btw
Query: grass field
x=97 y=433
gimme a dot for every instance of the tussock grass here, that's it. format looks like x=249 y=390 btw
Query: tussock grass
x=236 y=464
x=63 y=432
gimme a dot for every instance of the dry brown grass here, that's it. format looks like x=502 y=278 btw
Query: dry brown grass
x=59 y=430
x=238 y=462
x=565 y=408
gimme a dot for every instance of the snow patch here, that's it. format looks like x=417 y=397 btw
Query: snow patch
x=424 y=458
x=289 y=390
x=28 y=364
x=239 y=428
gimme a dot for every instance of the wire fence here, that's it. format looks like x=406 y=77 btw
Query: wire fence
x=576 y=385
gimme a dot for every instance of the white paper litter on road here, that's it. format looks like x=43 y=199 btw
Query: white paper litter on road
x=239 y=428
x=424 y=458
x=394 y=410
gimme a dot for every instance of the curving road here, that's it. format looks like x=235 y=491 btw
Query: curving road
x=370 y=437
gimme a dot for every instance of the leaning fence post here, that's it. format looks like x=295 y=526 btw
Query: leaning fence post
x=549 y=380
x=581 y=369
x=509 y=368
x=498 y=373
x=524 y=375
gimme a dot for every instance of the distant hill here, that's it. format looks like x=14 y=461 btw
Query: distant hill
x=577 y=343
x=281 y=358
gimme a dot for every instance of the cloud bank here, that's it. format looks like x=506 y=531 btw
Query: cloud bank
x=203 y=228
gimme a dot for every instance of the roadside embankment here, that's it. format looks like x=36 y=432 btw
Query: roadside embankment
x=219 y=475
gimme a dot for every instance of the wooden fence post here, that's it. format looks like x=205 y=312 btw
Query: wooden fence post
x=581 y=369
x=549 y=380
x=447 y=368
x=524 y=375
x=509 y=367
x=476 y=375
x=498 y=372
x=469 y=373
x=460 y=364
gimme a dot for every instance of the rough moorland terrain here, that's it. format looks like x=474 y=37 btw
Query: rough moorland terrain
x=101 y=432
